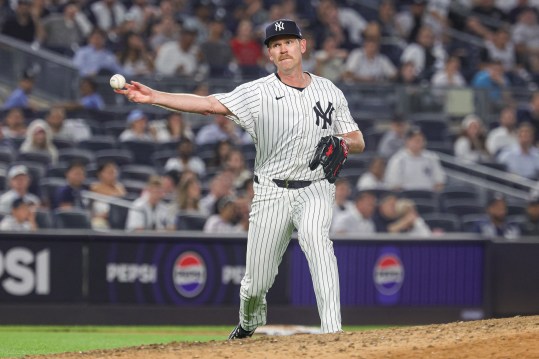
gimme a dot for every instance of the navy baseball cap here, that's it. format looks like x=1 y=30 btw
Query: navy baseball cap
x=282 y=27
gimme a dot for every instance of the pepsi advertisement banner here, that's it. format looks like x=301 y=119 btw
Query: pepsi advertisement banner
x=34 y=271
x=193 y=272
x=399 y=274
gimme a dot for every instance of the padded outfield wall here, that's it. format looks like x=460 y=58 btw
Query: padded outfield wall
x=191 y=278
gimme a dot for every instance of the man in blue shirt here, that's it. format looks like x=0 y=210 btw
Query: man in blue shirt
x=95 y=57
x=19 y=97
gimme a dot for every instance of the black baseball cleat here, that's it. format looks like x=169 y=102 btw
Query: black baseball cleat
x=240 y=333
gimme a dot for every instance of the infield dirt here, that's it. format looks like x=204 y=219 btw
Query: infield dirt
x=516 y=337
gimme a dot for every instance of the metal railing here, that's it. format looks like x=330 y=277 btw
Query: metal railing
x=57 y=76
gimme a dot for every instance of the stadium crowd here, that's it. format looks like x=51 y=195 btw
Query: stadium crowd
x=177 y=174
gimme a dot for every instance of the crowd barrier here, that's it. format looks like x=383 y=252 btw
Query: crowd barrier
x=190 y=278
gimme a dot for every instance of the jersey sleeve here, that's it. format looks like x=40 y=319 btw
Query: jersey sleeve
x=244 y=103
x=344 y=122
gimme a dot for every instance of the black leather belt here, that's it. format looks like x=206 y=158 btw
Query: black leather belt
x=288 y=183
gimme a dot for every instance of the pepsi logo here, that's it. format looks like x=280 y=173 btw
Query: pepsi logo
x=189 y=274
x=388 y=274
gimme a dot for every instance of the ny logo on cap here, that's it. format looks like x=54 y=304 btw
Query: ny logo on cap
x=279 y=26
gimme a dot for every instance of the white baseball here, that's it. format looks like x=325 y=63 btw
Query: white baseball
x=117 y=82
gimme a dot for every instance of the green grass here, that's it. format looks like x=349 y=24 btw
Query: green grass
x=17 y=341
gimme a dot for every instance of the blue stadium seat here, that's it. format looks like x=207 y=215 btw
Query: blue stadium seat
x=137 y=172
x=142 y=151
x=73 y=218
x=190 y=222
x=97 y=143
x=69 y=155
x=445 y=221
x=39 y=157
x=119 y=156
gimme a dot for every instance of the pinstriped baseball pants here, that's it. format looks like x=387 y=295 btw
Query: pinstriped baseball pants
x=274 y=214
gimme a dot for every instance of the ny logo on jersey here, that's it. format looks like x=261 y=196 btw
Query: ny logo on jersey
x=324 y=114
x=279 y=26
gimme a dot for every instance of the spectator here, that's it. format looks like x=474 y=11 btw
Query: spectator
x=526 y=39
x=21 y=25
x=221 y=152
x=215 y=51
x=523 y=159
x=530 y=227
x=221 y=129
x=330 y=60
x=407 y=74
x=173 y=129
x=22 y=217
x=19 y=97
x=149 y=211
x=470 y=145
x=368 y=65
x=450 y=76
x=505 y=135
x=14 y=124
x=107 y=185
x=39 y=139
x=134 y=57
x=170 y=180
x=179 y=57
x=495 y=224
x=69 y=196
x=5 y=12
x=136 y=128
x=359 y=219
x=225 y=218
x=530 y=114
x=394 y=138
x=235 y=164
x=186 y=160
x=407 y=220
x=140 y=14
x=221 y=185
x=19 y=182
x=94 y=58
x=425 y=54
x=343 y=22
x=342 y=204
x=167 y=30
x=390 y=28
x=485 y=19
x=501 y=49
x=413 y=167
x=67 y=129
x=90 y=98
x=188 y=197
x=412 y=19
x=373 y=178
x=385 y=213
x=247 y=50
x=108 y=15
x=63 y=33
x=493 y=81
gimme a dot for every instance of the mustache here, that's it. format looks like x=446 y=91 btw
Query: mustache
x=285 y=58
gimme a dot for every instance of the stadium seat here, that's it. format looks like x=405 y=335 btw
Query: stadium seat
x=190 y=222
x=142 y=151
x=137 y=172
x=462 y=207
x=445 y=221
x=133 y=186
x=119 y=156
x=425 y=206
x=114 y=128
x=39 y=157
x=469 y=221
x=418 y=194
x=160 y=158
x=167 y=146
x=7 y=155
x=97 y=143
x=57 y=171
x=516 y=209
x=3 y=180
x=76 y=154
x=434 y=126
x=48 y=187
x=44 y=219
x=117 y=216
x=62 y=143
x=73 y=218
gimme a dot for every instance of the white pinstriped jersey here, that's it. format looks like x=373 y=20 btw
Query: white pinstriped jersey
x=286 y=124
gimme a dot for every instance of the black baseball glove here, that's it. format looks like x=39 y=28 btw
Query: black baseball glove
x=331 y=152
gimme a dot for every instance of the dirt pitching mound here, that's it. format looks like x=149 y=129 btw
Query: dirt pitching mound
x=516 y=337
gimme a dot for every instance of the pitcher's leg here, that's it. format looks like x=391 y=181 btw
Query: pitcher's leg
x=312 y=216
x=269 y=234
